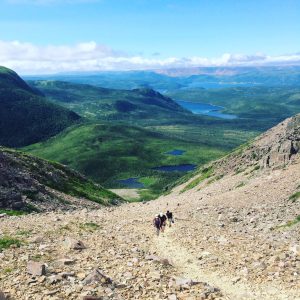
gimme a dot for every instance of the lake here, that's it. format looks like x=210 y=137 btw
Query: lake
x=132 y=183
x=180 y=168
x=205 y=109
x=176 y=152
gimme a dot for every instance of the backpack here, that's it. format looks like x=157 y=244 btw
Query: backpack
x=157 y=222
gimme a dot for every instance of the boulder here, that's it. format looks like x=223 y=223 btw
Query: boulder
x=2 y=296
x=97 y=276
x=73 y=244
x=36 y=268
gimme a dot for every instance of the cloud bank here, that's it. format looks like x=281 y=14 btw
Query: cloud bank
x=27 y=58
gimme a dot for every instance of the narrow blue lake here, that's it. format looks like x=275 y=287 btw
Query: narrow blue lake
x=176 y=152
x=206 y=109
x=180 y=168
x=132 y=183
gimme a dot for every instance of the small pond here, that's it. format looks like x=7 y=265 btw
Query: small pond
x=176 y=152
x=132 y=183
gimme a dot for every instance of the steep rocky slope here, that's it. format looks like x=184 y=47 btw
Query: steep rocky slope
x=236 y=236
x=29 y=183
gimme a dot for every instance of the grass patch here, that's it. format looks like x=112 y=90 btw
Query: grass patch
x=295 y=196
x=36 y=257
x=25 y=233
x=240 y=184
x=216 y=178
x=65 y=228
x=7 y=270
x=148 y=181
x=10 y=212
x=205 y=173
x=7 y=241
x=89 y=226
x=291 y=223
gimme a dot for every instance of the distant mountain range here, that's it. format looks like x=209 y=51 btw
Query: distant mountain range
x=184 y=78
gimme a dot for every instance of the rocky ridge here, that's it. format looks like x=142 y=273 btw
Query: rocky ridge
x=235 y=236
x=29 y=183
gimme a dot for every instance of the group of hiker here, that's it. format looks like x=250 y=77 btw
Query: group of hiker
x=160 y=221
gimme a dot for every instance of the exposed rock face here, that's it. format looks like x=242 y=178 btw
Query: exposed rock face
x=27 y=180
x=276 y=148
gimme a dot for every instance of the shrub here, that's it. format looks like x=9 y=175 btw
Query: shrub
x=6 y=242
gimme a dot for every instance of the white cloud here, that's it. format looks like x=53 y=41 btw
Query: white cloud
x=28 y=58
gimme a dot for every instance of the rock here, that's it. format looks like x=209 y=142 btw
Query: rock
x=295 y=249
x=97 y=276
x=182 y=283
x=172 y=297
x=236 y=279
x=163 y=261
x=151 y=257
x=65 y=262
x=2 y=296
x=55 y=279
x=37 y=240
x=3 y=215
x=36 y=268
x=92 y=298
x=234 y=219
x=73 y=244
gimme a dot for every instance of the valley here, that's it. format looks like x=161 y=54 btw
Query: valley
x=121 y=138
x=238 y=240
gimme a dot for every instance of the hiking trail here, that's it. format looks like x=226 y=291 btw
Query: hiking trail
x=187 y=265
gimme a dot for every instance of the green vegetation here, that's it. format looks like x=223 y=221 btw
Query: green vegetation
x=25 y=233
x=6 y=242
x=141 y=106
x=107 y=153
x=110 y=146
x=90 y=226
x=260 y=106
x=10 y=212
x=204 y=174
x=27 y=117
x=240 y=184
x=290 y=223
x=295 y=197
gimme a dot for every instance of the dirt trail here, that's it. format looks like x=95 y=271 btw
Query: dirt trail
x=187 y=265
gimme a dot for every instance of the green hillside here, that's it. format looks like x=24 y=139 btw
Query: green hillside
x=260 y=106
x=26 y=117
x=107 y=153
x=139 y=106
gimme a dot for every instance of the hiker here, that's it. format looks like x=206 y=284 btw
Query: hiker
x=170 y=218
x=157 y=223
x=163 y=220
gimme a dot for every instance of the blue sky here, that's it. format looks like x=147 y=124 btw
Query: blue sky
x=160 y=31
